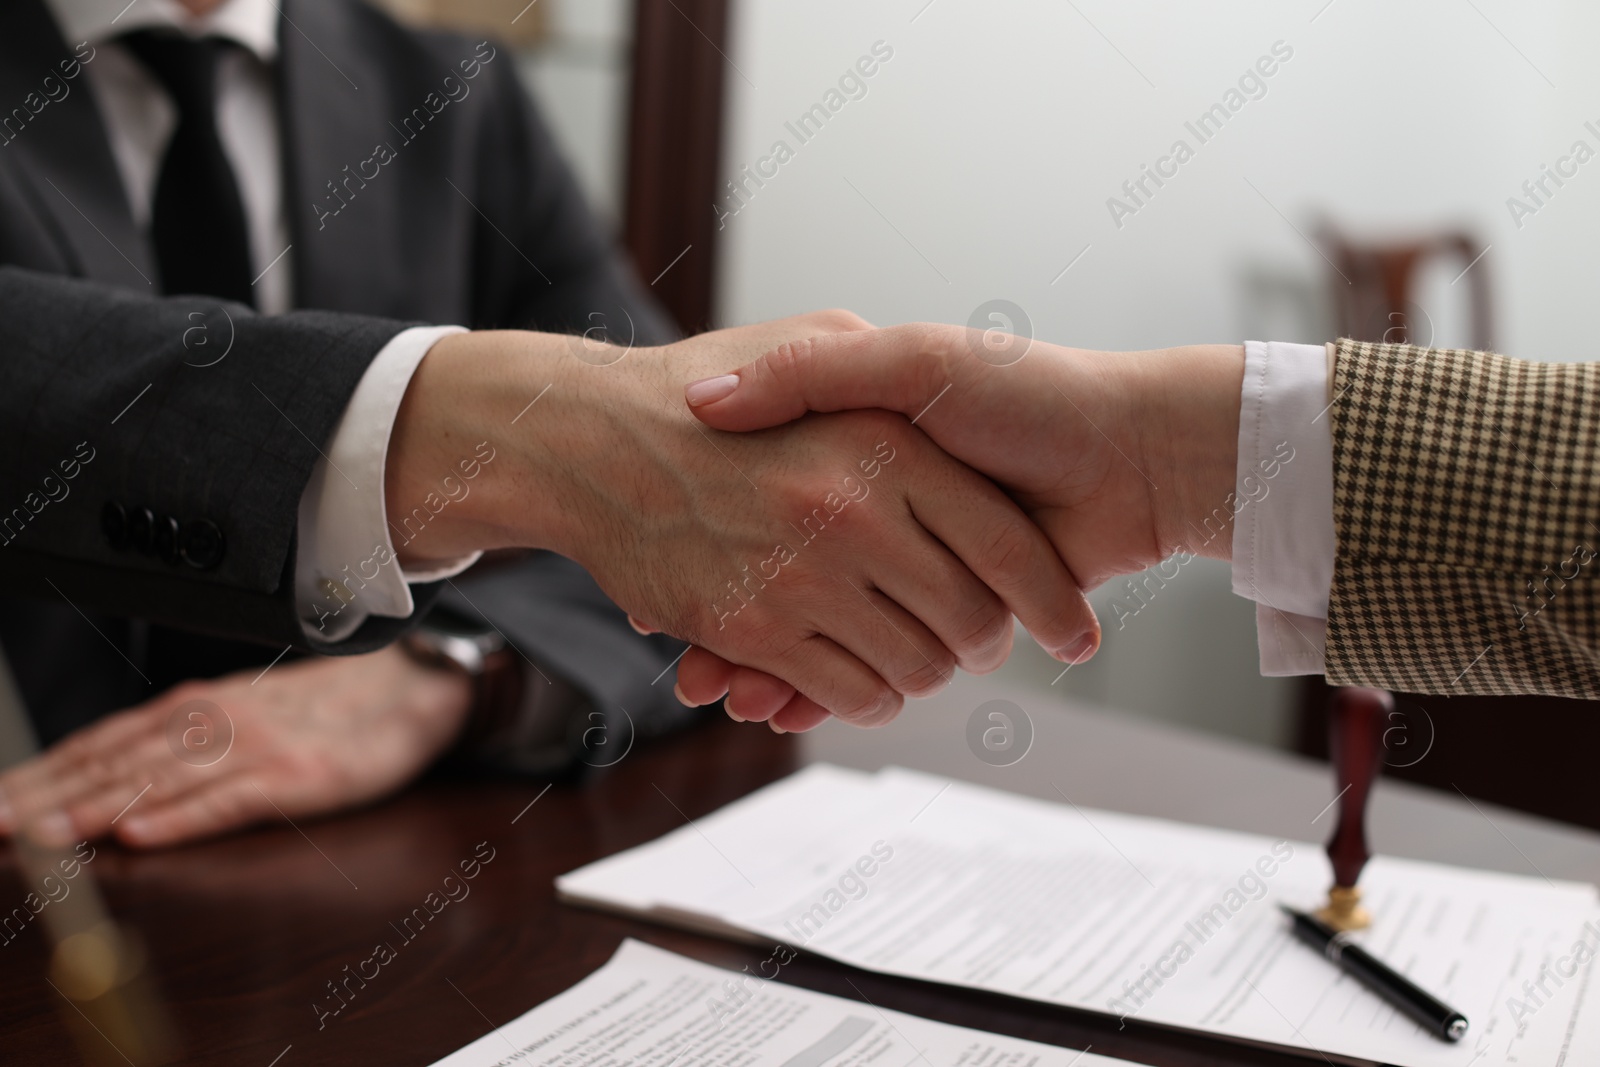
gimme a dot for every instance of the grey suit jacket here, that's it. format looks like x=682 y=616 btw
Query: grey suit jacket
x=109 y=415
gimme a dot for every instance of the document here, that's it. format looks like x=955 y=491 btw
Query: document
x=651 y=1008
x=908 y=874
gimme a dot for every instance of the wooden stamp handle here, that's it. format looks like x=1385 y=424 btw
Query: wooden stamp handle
x=1355 y=747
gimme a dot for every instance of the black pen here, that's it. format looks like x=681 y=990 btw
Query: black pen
x=1438 y=1018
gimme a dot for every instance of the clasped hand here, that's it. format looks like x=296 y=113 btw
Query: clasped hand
x=1120 y=458
x=857 y=555
x=845 y=554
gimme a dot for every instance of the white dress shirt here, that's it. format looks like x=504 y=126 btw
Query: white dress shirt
x=1283 y=539
x=342 y=520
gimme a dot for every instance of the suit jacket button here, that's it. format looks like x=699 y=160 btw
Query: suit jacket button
x=114 y=523
x=201 y=544
x=165 y=539
x=142 y=529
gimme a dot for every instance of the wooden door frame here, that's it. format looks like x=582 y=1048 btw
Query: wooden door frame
x=675 y=126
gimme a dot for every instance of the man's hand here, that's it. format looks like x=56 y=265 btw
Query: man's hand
x=845 y=554
x=308 y=738
x=1121 y=458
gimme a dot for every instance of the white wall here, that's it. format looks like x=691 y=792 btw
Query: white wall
x=980 y=160
x=580 y=75
x=994 y=137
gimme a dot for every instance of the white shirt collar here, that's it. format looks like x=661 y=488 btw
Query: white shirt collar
x=251 y=23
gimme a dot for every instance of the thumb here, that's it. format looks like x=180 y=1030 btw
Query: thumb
x=900 y=368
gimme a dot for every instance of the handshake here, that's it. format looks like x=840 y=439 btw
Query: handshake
x=834 y=516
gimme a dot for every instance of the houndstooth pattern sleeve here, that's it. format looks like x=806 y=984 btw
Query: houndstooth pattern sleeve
x=1466 y=503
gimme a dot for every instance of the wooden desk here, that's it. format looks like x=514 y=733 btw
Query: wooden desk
x=244 y=933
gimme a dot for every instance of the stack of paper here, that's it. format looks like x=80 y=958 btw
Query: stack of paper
x=913 y=875
x=650 y=1008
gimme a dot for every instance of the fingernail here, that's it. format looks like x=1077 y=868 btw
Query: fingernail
x=7 y=817
x=1079 y=651
x=776 y=728
x=710 y=390
x=685 y=701
x=639 y=627
x=728 y=707
x=52 y=829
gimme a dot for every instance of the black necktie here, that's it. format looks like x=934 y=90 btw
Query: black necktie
x=198 y=221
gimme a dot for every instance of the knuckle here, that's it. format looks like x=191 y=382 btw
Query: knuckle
x=810 y=506
x=1010 y=552
x=71 y=748
x=986 y=629
x=925 y=359
x=747 y=629
x=874 y=708
x=100 y=766
x=181 y=694
x=86 y=816
x=815 y=593
x=880 y=433
x=785 y=366
x=941 y=346
x=306 y=765
x=770 y=634
x=229 y=809
x=839 y=320
x=927 y=676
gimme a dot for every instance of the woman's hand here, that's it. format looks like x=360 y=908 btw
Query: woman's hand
x=1121 y=458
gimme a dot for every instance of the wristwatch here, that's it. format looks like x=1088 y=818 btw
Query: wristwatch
x=448 y=641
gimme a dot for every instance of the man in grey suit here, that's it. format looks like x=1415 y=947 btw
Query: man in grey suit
x=299 y=465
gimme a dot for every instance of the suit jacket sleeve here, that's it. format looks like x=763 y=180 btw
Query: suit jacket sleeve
x=1466 y=498
x=596 y=685
x=110 y=402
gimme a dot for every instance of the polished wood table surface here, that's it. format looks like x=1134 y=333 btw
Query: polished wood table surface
x=245 y=934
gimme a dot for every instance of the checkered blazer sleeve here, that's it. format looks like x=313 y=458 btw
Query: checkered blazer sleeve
x=1466 y=503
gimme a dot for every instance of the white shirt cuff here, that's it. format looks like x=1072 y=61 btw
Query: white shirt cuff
x=1283 y=539
x=1289 y=644
x=345 y=566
